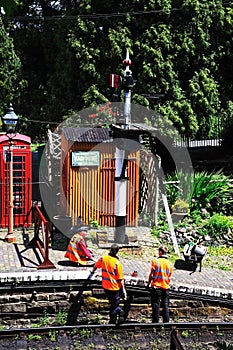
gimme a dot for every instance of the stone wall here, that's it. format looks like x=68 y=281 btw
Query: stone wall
x=22 y=309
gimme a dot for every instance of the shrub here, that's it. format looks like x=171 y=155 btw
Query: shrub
x=207 y=188
x=205 y=193
x=218 y=225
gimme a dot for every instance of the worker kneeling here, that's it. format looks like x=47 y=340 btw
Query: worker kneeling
x=77 y=251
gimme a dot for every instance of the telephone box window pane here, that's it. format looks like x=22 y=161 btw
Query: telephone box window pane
x=17 y=159
x=17 y=181
x=17 y=210
x=18 y=173
x=17 y=189
x=17 y=166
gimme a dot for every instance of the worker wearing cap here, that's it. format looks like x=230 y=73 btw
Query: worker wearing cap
x=112 y=282
x=159 y=281
x=77 y=251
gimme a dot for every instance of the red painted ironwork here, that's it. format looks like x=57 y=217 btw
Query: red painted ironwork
x=41 y=225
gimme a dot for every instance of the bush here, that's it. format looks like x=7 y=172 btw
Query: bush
x=217 y=225
x=204 y=192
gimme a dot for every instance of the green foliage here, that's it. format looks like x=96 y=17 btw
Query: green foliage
x=219 y=257
x=227 y=143
x=45 y=320
x=207 y=188
x=9 y=5
x=93 y=223
x=205 y=192
x=205 y=98
x=218 y=225
x=61 y=318
x=53 y=335
x=162 y=225
x=185 y=54
x=34 y=337
x=185 y=334
x=10 y=82
x=86 y=333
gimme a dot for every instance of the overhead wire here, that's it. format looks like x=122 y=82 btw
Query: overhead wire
x=40 y=121
x=100 y=15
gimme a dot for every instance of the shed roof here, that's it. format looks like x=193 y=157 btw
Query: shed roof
x=94 y=135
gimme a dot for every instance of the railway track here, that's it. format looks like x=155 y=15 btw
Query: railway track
x=138 y=291
x=171 y=334
x=129 y=326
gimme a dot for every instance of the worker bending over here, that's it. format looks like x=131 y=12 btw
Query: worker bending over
x=112 y=282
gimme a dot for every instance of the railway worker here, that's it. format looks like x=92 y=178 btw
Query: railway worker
x=113 y=283
x=159 y=281
x=77 y=251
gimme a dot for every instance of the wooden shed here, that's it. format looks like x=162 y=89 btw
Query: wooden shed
x=88 y=188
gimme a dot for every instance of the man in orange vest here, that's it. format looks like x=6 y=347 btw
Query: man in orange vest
x=159 y=280
x=77 y=251
x=112 y=282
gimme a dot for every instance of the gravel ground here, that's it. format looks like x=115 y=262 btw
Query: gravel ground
x=115 y=340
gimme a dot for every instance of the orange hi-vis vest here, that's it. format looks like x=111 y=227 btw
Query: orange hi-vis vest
x=112 y=272
x=74 y=252
x=162 y=273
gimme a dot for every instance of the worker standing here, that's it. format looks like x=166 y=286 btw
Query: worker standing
x=112 y=282
x=159 y=281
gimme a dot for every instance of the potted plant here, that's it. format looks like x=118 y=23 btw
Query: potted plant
x=179 y=209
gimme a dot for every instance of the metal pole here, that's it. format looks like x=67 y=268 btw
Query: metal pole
x=121 y=159
x=121 y=182
x=10 y=237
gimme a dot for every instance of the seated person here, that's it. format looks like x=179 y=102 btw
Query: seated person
x=77 y=251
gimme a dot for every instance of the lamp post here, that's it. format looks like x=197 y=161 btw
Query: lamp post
x=9 y=121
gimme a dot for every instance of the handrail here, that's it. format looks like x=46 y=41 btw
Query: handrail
x=40 y=223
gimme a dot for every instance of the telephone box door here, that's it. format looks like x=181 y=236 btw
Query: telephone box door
x=22 y=181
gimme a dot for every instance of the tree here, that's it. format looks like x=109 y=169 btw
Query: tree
x=10 y=80
x=8 y=5
x=179 y=48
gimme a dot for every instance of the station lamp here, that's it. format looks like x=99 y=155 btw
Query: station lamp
x=10 y=120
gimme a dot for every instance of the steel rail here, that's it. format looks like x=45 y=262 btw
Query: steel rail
x=137 y=291
x=133 y=326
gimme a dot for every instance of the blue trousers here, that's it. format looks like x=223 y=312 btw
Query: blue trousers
x=160 y=298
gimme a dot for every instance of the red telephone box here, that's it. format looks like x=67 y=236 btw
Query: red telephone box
x=22 y=180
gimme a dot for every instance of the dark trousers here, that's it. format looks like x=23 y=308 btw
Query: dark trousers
x=160 y=298
x=114 y=301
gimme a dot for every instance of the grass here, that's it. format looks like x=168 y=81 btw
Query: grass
x=219 y=258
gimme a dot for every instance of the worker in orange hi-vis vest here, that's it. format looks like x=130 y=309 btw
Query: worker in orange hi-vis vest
x=77 y=251
x=159 y=281
x=112 y=282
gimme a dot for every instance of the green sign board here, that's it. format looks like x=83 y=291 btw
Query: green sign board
x=85 y=158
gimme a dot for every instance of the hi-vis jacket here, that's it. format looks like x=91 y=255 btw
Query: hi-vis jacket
x=112 y=272
x=162 y=271
x=77 y=250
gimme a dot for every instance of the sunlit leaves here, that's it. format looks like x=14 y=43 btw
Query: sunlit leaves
x=9 y=70
x=181 y=49
x=8 y=5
